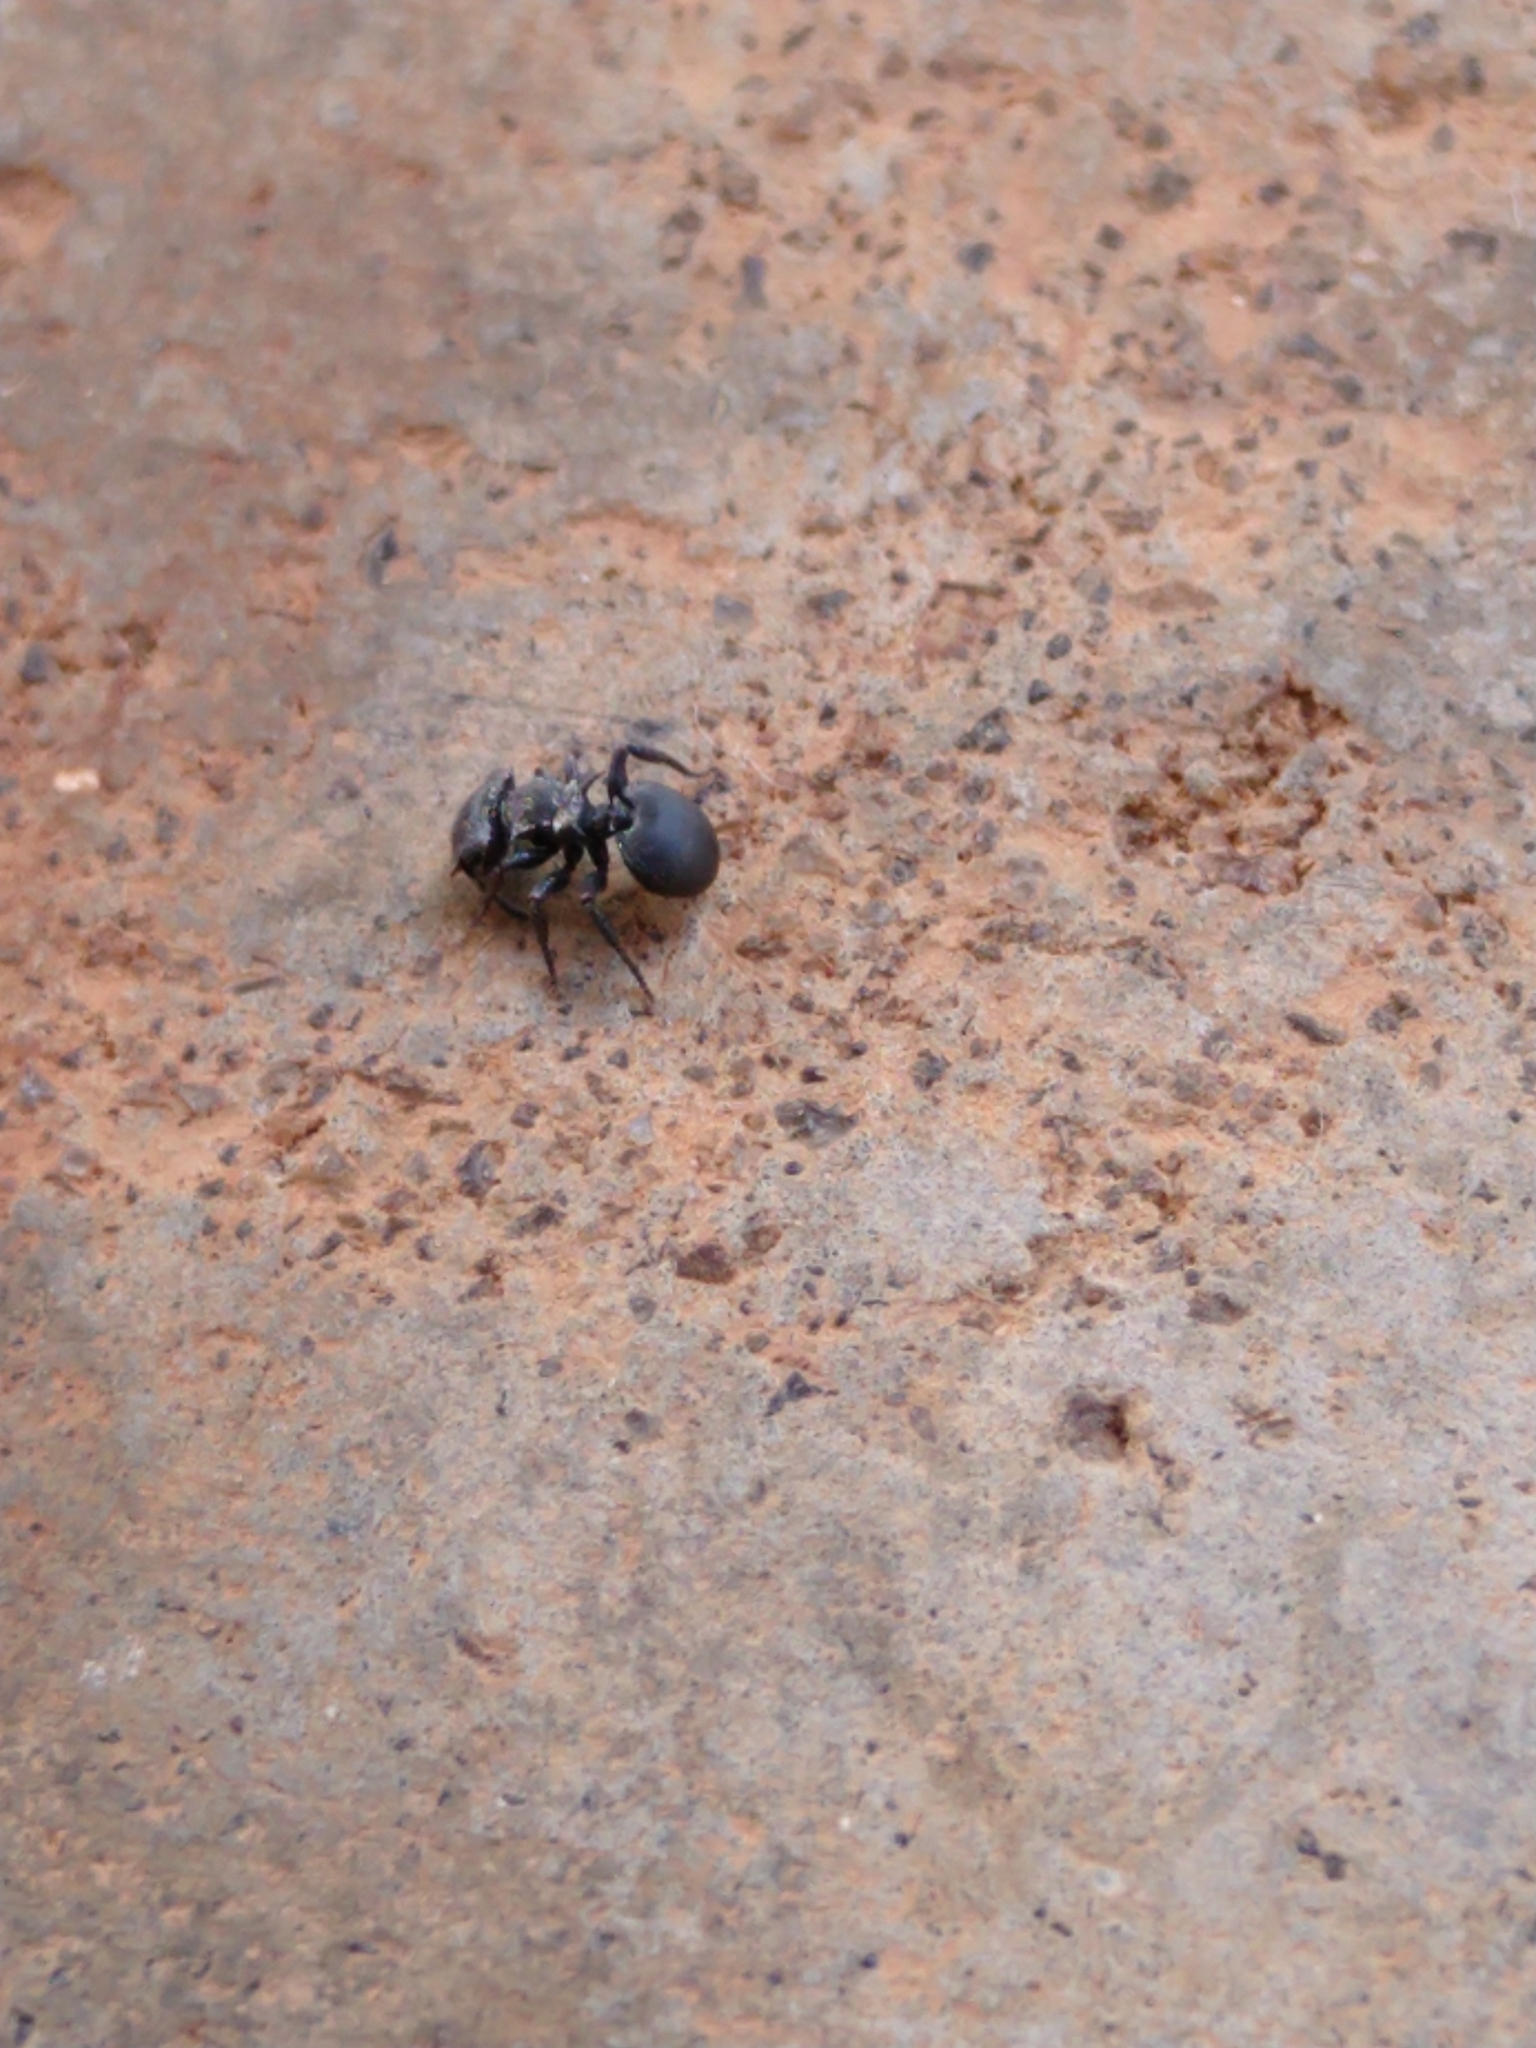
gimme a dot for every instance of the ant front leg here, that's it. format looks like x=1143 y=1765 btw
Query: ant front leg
x=517 y=862
x=592 y=886
x=550 y=886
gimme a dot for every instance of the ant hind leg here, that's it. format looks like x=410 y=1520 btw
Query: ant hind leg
x=590 y=889
x=618 y=767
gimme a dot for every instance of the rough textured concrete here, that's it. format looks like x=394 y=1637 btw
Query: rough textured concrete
x=974 y=1478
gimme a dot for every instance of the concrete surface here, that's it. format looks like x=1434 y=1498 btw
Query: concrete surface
x=972 y=1480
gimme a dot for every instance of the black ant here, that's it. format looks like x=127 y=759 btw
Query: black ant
x=663 y=837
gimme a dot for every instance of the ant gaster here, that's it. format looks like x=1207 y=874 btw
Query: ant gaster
x=663 y=837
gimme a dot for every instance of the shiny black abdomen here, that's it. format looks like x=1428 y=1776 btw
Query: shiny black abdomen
x=671 y=848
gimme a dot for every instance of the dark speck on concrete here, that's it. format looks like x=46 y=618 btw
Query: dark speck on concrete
x=1479 y=243
x=533 y=1222
x=1389 y=1017
x=382 y=550
x=1334 y=1866
x=975 y=256
x=795 y=1388
x=1314 y=1029
x=479 y=1169
x=989 y=735
x=1165 y=189
x=1213 y=1305
x=814 y=1123
x=34 y=1088
x=709 y=1262
x=1306 y=347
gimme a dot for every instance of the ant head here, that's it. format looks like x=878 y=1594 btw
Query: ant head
x=480 y=829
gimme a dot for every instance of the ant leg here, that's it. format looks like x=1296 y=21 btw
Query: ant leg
x=592 y=887
x=550 y=886
x=661 y=760
x=601 y=919
x=492 y=899
x=491 y=887
x=618 y=767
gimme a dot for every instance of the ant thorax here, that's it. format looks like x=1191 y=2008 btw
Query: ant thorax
x=572 y=815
